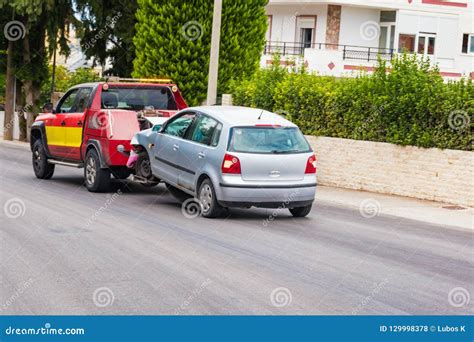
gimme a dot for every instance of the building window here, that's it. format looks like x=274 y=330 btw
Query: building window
x=306 y=37
x=388 y=16
x=426 y=45
x=406 y=43
x=468 y=43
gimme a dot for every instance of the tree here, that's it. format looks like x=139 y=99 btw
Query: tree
x=173 y=39
x=107 y=33
x=36 y=22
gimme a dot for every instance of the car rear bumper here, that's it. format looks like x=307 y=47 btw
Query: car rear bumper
x=270 y=196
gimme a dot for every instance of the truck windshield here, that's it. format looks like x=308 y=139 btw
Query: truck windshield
x=276 y=140
x=138 y=98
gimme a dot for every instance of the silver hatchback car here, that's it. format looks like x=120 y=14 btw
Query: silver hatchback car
x=228 y=156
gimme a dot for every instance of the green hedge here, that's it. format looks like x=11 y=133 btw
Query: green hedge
x=410 y=105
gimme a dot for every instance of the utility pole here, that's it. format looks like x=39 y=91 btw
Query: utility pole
x=214 y=60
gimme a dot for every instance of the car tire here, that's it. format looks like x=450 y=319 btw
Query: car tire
x=143 y=170
x=41 y=167
x=180 y=195
x=206 y=196
x=97 y=179
x=301 y=211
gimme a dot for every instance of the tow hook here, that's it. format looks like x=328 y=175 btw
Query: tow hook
x=121 y=149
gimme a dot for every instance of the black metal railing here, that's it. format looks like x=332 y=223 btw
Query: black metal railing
x=363 y=53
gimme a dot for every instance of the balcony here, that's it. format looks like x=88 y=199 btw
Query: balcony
x=349 y=52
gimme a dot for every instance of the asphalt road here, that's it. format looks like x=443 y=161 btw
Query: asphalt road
x=132 y=251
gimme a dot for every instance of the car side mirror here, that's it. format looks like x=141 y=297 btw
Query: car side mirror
x=156 y=128
x=48 y=107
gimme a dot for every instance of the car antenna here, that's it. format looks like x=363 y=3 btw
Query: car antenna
x=260 y=115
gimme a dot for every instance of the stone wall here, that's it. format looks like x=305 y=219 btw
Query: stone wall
x=333 y=26
x=431 y=174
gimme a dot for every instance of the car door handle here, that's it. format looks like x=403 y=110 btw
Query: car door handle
x=79 y=123
x=63 y=123
x=175 y=147
x=201 y=155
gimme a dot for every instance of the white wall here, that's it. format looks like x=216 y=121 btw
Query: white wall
x=284 y=21
x=359 y=26
x=14 y=123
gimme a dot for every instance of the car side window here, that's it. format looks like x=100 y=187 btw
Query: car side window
x=82 y=99
x=67 y=102
x=179 y=126
x=204 y=130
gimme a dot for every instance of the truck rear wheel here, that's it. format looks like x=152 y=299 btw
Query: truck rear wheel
x=43 y=169
x=97 y=179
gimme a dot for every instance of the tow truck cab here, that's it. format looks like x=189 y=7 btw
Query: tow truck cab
x=93 y=123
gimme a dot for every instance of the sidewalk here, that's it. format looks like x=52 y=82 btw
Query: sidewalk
x=370 y=203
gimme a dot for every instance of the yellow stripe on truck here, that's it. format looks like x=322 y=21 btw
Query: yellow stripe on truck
x=64 y=136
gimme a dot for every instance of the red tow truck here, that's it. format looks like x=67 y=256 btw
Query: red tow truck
x=93 y=123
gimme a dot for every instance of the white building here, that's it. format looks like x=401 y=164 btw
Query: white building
x=339 y=37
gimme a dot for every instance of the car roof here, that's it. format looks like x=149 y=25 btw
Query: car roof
x=243 y=116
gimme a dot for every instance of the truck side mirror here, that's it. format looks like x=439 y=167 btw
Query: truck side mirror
x=48 y=108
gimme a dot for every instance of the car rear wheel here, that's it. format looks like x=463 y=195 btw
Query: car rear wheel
x=97 y=179
x=43 y=169
x=210 y=208
x=301 y=211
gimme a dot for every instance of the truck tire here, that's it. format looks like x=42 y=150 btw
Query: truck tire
x=41 y=167
x=96 y=178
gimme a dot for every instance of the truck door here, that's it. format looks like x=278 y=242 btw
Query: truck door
x=56 y=127
x=75 y=123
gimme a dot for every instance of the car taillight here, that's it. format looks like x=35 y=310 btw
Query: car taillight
x=311 y=165
x=231 y=164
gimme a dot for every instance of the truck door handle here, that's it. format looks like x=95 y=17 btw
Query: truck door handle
x=175 y=147
x=63 y=123
x=201 y=155
x=79 y=123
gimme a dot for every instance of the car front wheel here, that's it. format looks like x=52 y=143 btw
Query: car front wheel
x=210 y=208
x=41 y=167
x=301 y=211
x=97 y=179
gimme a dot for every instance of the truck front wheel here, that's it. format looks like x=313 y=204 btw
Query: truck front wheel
x=43 y=169
x=97 y=179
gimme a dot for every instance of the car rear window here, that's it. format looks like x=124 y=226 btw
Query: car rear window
x=138 y=98
x=268 y=140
